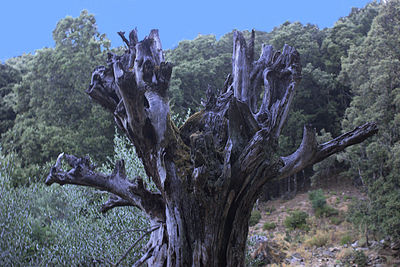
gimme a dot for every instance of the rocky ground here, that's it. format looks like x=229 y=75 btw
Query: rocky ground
x=328 y=241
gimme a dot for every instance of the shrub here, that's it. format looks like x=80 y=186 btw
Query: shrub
x=54 y=226
x=346 y=239
x=317 y=199
x=254 y=217
x=296 y=220
x=336 y=220
x=360 y=259
x=318 y=202
x=320 y=239
x=269 y=226
x=326 y=211
x=270 y=209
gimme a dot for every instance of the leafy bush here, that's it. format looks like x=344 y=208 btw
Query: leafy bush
x=296 y=220
x=336 y=220
x=360 y=259
x=57 y=226
x=326 y=211
x=346 y=239
x=269 y=226
x=254 y=217
x=317 y=198
x=318 y=202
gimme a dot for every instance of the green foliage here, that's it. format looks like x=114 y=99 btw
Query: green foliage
x=53 y=112
x=318 y=202
x=296 y=220
x=62 y=226
x=336 y=220
x=324 y=168
x=255 y=217
x=326 y=211
x=269 y=226
x=372 y=70
x=317 y=198
x=9 y=76
x=346 y=239
x=179 y=120
x=347 y=31
x=198 y=63
x=319 y=99
x=360 y=259
x=57 y=226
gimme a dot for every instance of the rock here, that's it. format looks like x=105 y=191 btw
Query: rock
x=328 y=253
x=374 y=244
x=395 y=245
x=334 y=249
x=295 y=259
x=258 y=239
x=268 y=252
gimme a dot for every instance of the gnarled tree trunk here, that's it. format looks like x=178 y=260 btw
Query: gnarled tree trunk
x=209 y=172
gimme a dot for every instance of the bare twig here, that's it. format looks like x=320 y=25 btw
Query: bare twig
x=134 y=244
x=128 y=231
x=122 y=35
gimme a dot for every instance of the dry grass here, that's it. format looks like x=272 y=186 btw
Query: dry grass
x=344 y=253
x=323 y=232
x=319 y=239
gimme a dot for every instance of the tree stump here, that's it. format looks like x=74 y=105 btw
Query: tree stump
x=210 y=171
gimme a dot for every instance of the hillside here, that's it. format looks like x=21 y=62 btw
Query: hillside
x=328 y=241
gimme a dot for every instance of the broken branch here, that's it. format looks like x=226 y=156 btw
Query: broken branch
x=127 y=192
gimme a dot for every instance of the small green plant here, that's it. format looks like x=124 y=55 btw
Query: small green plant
x=270 y=209
x=345 y=198
x=269 y=226
x=336 y=220
x=346 y=239
x=326 y=211
x=254 y=217
x=317 y=198
x=318 y=202
x=296 y=220
x=360 y=259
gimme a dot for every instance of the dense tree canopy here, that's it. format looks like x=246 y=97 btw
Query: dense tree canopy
x=52 y=110
x=373 y=72
x=9 y=76
x=199 y=63
x=59 y=74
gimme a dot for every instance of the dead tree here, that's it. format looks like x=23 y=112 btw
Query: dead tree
x=210 y=171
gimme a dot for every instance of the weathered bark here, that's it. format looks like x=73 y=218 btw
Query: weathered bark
x=209 y=172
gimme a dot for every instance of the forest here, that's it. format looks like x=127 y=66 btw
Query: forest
x=350 y=76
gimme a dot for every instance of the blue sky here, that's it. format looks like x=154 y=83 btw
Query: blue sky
x=27 y=25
